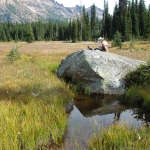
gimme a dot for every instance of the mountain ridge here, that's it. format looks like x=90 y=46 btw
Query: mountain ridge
x=45 y=10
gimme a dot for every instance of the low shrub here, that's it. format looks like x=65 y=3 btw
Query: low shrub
x=138 y=85
x=141 y=76
x=14 y=54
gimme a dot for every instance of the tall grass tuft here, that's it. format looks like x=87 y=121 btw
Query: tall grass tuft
x=121 y=137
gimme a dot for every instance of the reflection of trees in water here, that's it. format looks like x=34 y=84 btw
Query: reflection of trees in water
x=117 y=116
x=103 y=105
x=138 y=114
x=142 y=114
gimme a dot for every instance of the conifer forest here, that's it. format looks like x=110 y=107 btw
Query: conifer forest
x=130 y=19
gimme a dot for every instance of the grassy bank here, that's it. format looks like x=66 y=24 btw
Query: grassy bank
x=121 y=137
x=138 y=85
x=32 y=102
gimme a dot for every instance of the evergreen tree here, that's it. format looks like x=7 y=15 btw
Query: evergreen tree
x=41 y=31
x=117 y=40
x=129 y=23
x=21 y=31
x=68 y=31
x=38 y=30
x=2 y=33
x=29 y=33
x=93 y=21
x=49 y=33
x=116 y=21
x=125 y=29
x=55 y=33
x=134 y=17
x=86 y=30
x=61 y=32
x=107 y=25
x=74 y=31
x=79 y=37
x=7 y=32
x=142 y=17
x=83 y=24
x=88 y=27
x=16 y=37
x=147 y=26
x=122 y=6
x=10 y=30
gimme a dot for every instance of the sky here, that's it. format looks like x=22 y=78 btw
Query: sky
x=98 y=3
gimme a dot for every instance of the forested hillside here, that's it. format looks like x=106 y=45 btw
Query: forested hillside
x=130 y=20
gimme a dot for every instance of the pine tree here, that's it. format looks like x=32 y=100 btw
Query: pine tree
x=129 y=23
x=74 y=31
x=50 y=31
x=79 y=37
x=61 y=32
x=41 y=31
x=117 y=40
x=107 y=25
x=134 y=17
x=83 y=24
x=86 y=27
x=142 y=17
x=21 y=31
x=122 y=6
x=93 y=20
x=2 y=33
x=68 y=31
x=55 y=31
x=116 y=21
x=147 y=26
x=16 y=37
x=10 y=30
x=29 y=33
x=7 y=32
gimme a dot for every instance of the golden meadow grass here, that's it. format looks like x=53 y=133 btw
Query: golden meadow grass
x=32 y=102
x=32 y=98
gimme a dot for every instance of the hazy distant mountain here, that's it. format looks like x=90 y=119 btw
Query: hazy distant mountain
x=33 y=10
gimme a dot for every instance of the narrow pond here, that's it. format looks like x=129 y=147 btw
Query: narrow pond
x=91 y=113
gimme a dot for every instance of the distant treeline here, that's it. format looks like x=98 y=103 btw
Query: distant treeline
x=130 y=19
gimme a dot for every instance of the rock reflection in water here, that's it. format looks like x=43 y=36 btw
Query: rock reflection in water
x=92 y=113
x=98 y=105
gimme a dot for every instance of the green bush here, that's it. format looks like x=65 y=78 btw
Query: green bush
x=117 y=40
x=141 y=76
x=132 y=42
x=138 y=84
x=14 y=55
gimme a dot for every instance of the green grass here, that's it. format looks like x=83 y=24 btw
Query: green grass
x=135 y=92
x=121 y=137
x=32 y=103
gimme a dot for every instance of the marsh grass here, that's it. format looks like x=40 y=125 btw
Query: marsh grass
x=135 y=92
x=137 y=84
x=32 y=103
x=121 y=137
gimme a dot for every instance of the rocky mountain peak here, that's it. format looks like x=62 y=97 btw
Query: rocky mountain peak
x=45 y=10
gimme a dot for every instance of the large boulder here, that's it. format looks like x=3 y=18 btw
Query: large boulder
x=96 y=71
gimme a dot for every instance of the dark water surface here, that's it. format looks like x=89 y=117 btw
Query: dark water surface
x=92 y=113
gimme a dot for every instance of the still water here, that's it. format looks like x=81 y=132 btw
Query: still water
x=91 y=114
